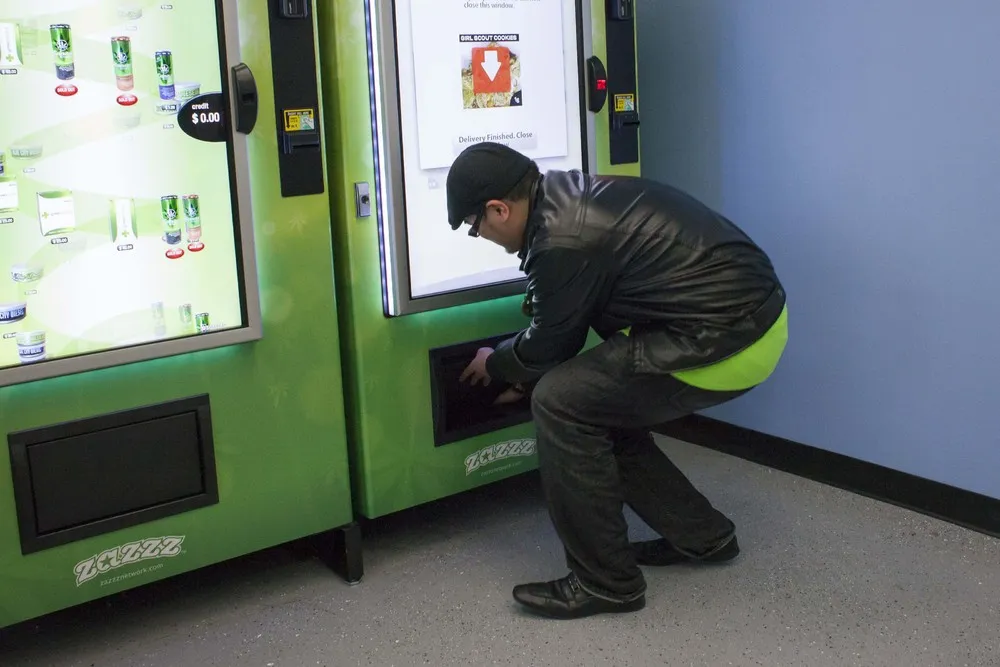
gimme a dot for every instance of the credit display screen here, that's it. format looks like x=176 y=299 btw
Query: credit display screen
x=119 y=224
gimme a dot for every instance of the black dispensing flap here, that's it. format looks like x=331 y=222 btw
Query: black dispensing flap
x=84 y=478
x=245 y=94
x=296 y=98
x=114 y=471
x=461 y=411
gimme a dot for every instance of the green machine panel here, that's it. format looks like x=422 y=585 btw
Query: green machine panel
x=408 y=84
x=170 y=375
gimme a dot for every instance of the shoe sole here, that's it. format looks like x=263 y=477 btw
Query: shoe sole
x=690 y=561
x=622 y=608
x=715 y=559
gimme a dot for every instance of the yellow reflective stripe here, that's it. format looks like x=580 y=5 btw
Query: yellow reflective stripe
x=745 y=369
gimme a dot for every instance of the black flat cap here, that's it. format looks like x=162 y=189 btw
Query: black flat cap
x=482 y=172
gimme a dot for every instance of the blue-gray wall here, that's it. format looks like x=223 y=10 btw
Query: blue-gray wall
x=858 y=142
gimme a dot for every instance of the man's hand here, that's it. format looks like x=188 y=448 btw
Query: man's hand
x=476 y=370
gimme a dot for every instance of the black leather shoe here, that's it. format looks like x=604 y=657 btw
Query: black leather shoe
x=660 y=552
x=565 y=599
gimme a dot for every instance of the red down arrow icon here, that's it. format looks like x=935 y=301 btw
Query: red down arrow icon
x=491 y=69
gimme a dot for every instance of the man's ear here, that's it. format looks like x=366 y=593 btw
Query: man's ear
x=500 y=206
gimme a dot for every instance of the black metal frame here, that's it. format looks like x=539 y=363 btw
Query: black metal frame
x=385 y=157
x=443 y=436
x=19 y=442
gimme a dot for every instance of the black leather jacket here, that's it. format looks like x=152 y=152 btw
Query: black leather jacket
x=611 y=252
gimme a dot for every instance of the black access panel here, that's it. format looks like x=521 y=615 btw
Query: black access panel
x=623 y=111
x=296 y=97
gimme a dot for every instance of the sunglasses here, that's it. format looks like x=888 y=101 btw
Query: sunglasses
x=474 y=221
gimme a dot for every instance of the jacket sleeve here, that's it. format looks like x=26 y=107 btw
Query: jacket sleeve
x=565 y=285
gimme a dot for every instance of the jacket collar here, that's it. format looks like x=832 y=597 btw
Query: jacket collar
x=534 y=220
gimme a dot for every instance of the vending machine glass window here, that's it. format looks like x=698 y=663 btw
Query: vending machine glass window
x=448 y=75
x=125 y=230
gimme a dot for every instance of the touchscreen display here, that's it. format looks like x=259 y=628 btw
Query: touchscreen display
x=485 y=70
x=117 y=216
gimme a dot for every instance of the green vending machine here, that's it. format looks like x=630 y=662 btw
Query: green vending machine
x=408 y=84
x=170 y=388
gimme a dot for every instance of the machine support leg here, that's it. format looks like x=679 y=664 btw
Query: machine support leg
x=340 y=549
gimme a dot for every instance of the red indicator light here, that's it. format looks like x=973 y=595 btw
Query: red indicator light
x=602 y=84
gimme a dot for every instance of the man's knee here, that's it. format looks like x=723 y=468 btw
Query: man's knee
x=577 y=390
x=556 y=394
x=545 y=397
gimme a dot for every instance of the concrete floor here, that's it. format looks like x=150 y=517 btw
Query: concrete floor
x=826 y=579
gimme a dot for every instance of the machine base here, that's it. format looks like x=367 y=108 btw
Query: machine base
x=341 y=550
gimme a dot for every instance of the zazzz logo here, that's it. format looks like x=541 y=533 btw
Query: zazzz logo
x=134 y=552
x=499 y=452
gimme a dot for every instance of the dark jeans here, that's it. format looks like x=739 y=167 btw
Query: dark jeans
x=592 y=415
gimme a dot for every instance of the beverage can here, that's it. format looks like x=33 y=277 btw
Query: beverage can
x=165 y=74
x=192 y=217
x=201 y=322
x=61 y=36
x=121 y=53
x=170 y=214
